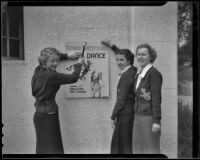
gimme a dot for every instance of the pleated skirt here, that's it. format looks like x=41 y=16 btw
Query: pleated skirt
x=122 y=136
x=48 y=134
x=144 y=140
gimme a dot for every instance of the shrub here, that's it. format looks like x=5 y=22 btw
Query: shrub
x=184 y=131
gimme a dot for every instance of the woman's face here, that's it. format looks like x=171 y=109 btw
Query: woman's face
x=122 y=62
x=143 y=57
x=52 y=62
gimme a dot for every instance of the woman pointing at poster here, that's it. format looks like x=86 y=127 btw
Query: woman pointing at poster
x=123 y=112
x=45 y=84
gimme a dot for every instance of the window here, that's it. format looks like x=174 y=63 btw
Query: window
x=12 y=43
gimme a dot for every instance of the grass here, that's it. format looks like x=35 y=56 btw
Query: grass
x=184 y=131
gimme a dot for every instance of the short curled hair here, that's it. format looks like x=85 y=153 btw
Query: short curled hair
x=152 y=51
x=45 y=53
x=127 y=53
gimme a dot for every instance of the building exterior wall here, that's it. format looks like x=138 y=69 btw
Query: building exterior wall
x=85 y=122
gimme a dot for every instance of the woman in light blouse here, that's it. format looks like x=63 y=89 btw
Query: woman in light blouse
x=147 y=125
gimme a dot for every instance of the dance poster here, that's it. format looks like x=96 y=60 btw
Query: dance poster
x=94 y=77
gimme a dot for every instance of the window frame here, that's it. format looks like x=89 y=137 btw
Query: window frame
x=7 y=37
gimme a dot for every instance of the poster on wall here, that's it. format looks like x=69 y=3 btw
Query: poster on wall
x=93 y=81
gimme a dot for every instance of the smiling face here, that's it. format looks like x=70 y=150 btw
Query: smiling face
x=122 y=62
x=143 y=57
x=52 y=62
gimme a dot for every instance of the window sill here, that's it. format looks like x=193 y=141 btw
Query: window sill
x=9 y=62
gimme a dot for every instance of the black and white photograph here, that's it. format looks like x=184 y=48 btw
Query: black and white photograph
x=97 y=79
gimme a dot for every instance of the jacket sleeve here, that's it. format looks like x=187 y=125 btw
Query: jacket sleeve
x=63 y=56
x=61 y=78
x=156 y=84
x=115 y=49
x=122 y=92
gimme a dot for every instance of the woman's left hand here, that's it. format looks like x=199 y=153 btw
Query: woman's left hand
x=106 y=43
x=156 y=127
x=113 y=123
x=74 y=55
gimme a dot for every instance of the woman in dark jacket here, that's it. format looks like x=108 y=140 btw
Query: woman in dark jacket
x=123 y=112
x=45 y=84
x=147 y=126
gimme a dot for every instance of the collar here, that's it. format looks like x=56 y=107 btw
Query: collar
x=125 y=69
x=48 y=69
x=143 y=72
x=43 y=66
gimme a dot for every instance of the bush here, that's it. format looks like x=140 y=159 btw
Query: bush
x=184 y=131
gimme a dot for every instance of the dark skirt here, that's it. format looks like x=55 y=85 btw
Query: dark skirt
x=122 y=136
x=48 y=134
x=144 y=140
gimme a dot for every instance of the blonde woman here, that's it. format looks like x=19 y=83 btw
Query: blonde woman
x=45 y=84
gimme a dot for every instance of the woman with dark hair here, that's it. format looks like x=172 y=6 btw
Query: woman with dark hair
x=123 y=112
x=147 y=126
x=45 y=84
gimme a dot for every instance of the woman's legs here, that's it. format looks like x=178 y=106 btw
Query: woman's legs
x=122 y=135
x=144 y=140
x=48 y=135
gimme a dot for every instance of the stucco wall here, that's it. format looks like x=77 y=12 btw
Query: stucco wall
x=85 y=123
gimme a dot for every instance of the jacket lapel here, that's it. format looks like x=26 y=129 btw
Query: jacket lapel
x=141 y=84
x=136 y=79
x=122 y=76
x=143 y=81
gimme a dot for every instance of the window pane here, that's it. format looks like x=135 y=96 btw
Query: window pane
x=4 y=25
x=13 y=28
x=3 y=47
x=14 y=48
x=14 y=12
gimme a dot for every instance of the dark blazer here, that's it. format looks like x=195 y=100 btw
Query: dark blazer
x=125 y=93
x=46 y=83
x=152 y=83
